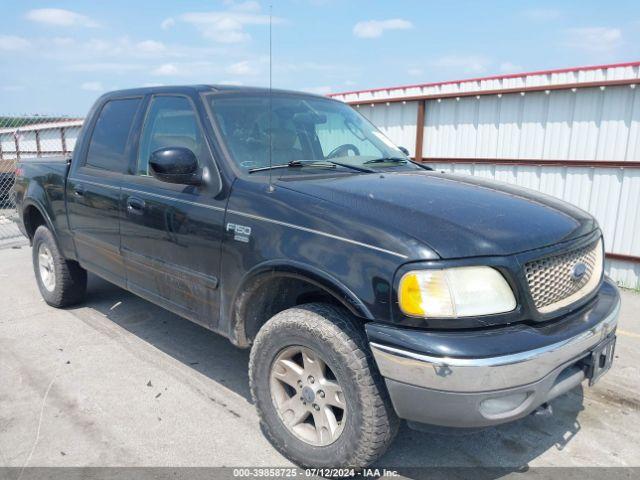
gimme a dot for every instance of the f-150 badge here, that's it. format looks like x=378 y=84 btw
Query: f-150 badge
x=241 y=233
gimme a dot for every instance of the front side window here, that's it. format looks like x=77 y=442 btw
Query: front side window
x=171 y=122
x=300 y=128
x=111 y=134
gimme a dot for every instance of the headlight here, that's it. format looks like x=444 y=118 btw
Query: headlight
x=455 y=292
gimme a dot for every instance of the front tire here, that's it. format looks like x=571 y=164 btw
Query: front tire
x=61 y=282
x=319 y=396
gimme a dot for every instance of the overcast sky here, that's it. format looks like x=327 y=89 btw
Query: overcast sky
x=56 y=57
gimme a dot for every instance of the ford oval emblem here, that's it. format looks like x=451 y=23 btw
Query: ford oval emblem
x=578 y=271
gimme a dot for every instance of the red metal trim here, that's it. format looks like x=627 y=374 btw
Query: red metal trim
x=496 y=77
x=536 y=162
x=502 y=91
x=623 y=257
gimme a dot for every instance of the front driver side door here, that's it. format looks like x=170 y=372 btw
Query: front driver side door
x=171 y=234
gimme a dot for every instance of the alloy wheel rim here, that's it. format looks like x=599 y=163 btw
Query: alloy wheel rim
x=307 y=396
x=46 y=268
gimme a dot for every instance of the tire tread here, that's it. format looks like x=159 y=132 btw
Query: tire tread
x=71 y=278
x=380 y=423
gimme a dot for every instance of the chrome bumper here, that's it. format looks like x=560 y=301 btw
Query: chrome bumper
x=468 y=375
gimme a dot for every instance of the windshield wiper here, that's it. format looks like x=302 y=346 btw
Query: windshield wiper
x=293 y=164
x=387 y=160
x=352 y=167
x=311 y=163
x=397 y=160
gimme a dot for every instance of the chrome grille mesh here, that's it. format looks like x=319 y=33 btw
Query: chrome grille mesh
x=551 y=280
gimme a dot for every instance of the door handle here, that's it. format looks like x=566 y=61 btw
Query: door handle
x=135 y=205
x=78 y=190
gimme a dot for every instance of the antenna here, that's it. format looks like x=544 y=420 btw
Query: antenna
x=270 y=189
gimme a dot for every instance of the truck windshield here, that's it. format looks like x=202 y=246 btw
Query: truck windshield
x=300 y=131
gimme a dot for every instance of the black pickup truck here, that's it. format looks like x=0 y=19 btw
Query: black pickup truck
x=370 y=288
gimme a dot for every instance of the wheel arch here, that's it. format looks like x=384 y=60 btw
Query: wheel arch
x=34 y=215
x=275 y=286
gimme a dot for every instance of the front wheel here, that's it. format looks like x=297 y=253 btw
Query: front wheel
x=320 y=399
x=61 y=282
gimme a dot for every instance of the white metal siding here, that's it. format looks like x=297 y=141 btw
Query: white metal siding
x=396 y=120
x=7 y=145
x=625 y=273
x=50 y=138
x=71 y=136
x=589 y=124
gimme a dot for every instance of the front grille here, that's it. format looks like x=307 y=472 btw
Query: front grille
x=552 y=282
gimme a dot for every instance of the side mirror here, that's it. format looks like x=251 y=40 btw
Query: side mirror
x=175 y=165
x=404 y=150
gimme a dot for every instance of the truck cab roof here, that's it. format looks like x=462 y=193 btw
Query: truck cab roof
x=203 y=88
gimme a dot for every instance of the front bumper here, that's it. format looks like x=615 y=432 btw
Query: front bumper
x=489 y=376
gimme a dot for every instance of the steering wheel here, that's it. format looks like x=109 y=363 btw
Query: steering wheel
x=343 y=151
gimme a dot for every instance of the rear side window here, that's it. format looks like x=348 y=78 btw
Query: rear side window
x=110 y=135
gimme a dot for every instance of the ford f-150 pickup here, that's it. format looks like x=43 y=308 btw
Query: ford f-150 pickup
x=369 y=288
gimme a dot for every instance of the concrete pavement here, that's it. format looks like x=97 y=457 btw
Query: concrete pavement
x=118 y=381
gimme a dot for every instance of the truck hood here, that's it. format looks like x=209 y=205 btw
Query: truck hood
x=455 y=215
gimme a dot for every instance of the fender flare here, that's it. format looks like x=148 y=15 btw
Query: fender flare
x=32 y=202
x=290 y=269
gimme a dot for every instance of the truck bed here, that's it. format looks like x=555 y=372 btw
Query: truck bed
x=43 y=181
x=26 y=167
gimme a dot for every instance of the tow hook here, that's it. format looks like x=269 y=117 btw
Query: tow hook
x=544 y=410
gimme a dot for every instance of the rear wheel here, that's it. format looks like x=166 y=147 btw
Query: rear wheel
x=320 y=398
x=61 y=282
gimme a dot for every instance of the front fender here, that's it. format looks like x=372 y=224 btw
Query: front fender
x=311 y=274
x=273 y=270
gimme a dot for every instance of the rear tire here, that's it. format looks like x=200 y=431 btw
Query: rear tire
x=282 y=354
x=61 y=282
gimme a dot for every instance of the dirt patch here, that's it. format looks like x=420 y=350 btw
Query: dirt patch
x=618 y=399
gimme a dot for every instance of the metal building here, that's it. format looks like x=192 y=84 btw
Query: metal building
x=37 y=139
x=573 y=133
x=26 y=137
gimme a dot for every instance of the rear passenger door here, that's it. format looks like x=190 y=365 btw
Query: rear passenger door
x=171 y=233
x=93 y=189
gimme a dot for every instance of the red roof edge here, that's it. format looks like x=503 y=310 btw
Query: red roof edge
x=494 y=77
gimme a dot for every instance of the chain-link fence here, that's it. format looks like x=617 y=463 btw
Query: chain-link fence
x=23 y=137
